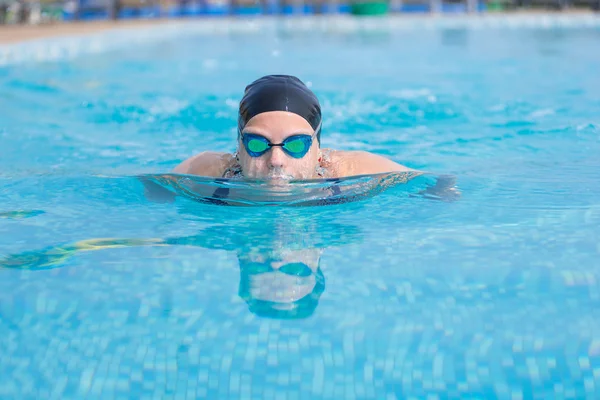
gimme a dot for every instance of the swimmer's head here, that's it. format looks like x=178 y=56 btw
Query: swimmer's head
x=279 y=129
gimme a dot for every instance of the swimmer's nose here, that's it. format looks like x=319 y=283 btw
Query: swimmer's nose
x=277 y=157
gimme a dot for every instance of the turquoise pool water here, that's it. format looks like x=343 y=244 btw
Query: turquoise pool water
x=105 y=294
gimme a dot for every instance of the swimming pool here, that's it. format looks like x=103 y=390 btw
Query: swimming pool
x=105 y=294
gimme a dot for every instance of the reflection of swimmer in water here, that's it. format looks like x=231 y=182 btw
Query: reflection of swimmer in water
x=282 y=285
x=274 y=284
x=279 y=120
x=280 y=274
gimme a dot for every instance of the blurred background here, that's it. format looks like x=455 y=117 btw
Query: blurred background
x=48 y=11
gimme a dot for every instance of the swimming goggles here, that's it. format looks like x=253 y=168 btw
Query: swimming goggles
x=295 y=146
x=298 y=269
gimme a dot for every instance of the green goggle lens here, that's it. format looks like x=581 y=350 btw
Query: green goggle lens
x=257 y=146
x=295 y=146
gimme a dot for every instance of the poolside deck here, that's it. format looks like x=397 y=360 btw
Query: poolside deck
x=21 y=33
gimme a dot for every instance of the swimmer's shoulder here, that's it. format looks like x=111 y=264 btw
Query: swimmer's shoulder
x=351 y=163
x=207 y=163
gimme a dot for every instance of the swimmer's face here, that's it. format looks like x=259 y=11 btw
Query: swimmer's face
x=275 y=164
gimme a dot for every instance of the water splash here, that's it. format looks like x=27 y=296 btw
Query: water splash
x=165 y=187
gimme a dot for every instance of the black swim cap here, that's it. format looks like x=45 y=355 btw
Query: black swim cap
x=280 y=93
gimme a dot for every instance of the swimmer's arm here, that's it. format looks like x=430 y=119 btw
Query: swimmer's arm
x=207 y=163
x=365 y=163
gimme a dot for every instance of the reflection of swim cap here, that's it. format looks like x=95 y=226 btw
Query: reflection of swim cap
x=280 y=93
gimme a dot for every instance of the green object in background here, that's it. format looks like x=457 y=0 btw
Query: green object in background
x=495 y=5
x=369 y=8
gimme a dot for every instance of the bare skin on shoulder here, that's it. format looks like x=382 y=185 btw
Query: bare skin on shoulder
x=279 y=136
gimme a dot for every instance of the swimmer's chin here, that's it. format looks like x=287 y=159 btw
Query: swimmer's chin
x=279 y=178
